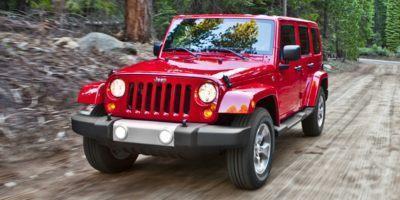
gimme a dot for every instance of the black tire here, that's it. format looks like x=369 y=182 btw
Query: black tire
x=310 y=125
x=101 y=158
x=240 y=161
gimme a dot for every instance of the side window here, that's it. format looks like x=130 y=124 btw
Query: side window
x=287 y=36
x=304 y=40
x=315 y=39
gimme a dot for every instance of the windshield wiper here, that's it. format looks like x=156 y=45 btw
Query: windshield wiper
x=182 y=49
x=228 y=50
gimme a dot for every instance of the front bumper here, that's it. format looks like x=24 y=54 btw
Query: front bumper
x=147 y=132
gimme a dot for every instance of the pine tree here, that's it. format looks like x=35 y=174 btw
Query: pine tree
x=345 y=21
x=366 y=21
x=380 y=22
x=393 y=24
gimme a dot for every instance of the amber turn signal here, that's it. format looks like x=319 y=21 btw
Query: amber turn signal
x=213 y=107
x=253 y=104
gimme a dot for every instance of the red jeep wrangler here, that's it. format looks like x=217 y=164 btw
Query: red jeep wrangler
x=220 y=84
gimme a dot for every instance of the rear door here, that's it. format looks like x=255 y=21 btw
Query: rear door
x=316 y=61
x=306 y=61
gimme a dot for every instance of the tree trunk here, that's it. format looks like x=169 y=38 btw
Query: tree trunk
x=325 y=25
x=4 y=5
x=138 y=25
x=22 y=5
x=59 y=6
x=284 y=7
x=214 y=6
x=197 y=6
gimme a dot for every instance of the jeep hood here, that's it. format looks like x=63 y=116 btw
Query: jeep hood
x=206 y=68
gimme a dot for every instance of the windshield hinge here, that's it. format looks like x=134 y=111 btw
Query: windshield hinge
x=227 y=81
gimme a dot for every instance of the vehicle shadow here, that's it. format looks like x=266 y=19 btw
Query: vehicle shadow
x=165 y=175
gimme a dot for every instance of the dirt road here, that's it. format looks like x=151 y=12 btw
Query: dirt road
x=357 y=157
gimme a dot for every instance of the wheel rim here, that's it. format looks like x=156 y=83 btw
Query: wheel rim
x=262 y=149
x=321 y=111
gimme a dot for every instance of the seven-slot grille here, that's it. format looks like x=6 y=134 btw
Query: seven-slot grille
x=159 y=98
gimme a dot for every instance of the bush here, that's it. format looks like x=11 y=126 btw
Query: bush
x=374 y=51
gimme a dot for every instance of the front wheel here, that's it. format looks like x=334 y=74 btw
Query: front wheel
x=250 y=166
x=313 y=124
x=106 y=160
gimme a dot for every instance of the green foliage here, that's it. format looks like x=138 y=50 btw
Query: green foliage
x=164 y=11
x=81 y=6
x=375 y=50
x=77 y=6
x=350 y=23
x=366 y=22
x=346 y=28
x=393 y=24
x=42 y=4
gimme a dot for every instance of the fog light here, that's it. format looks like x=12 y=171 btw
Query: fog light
x=111 y=107
x=165 y=137
x=120 y=132
x=207 y=113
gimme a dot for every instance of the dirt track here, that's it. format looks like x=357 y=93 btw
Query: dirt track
x=358 y=156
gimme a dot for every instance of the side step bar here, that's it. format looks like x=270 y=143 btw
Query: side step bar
x=292 y=121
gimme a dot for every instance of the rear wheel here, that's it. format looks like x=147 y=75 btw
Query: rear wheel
x=314 y=124
x=249 y=166
x=105 y=159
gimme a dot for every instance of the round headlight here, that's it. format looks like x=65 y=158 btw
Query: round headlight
x=117 y=88
x=207 y=92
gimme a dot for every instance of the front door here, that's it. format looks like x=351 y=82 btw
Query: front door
x=289 y=79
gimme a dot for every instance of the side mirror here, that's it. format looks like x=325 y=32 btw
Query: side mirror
x=291 y=53
x=157 y=48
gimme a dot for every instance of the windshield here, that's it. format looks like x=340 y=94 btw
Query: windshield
x=253 y=36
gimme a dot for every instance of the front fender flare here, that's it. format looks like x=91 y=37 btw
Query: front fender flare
x=313 y=89
x=242 y=100
x=92 y=93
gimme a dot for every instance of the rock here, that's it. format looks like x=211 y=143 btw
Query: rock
x=104 y=43
x=41 y=120
x=22 y=46
x=68 y=174
x=17 y=95
x=2 y=118
x=328 y=67
x=60 y=135
x=128 y=59
x=33 y=176
x=67 y=42
x=41 y=140
x=10 y=184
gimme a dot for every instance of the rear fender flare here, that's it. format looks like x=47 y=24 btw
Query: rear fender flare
x=315 y=85
x=92 y=93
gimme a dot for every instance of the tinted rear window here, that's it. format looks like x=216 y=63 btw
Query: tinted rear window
x=304 y=40
x=315 y=38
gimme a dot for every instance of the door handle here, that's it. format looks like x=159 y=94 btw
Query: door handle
x=311 y=65
x=298 y=68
